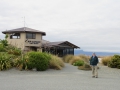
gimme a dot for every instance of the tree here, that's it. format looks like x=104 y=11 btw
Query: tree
x=4 y=41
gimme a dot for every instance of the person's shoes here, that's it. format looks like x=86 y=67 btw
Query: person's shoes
x=93 y=76
x=96 y=77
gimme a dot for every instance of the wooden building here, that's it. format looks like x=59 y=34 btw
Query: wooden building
x=59 y=48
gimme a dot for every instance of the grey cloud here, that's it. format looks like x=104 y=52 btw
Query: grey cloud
x=87 y=23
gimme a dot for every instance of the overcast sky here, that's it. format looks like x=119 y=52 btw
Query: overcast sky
x=93 y=25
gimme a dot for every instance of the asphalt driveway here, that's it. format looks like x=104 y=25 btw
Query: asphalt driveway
x=69 y=78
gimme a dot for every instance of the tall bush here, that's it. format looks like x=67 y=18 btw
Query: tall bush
x=5 y=61
x=2 y=48
x=40 y=60
x=114 y=62
x=4 y=42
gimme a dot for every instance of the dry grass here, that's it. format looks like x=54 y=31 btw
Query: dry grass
x=56 y=63
x=105 y=60
x=71 y=58
x=67 y=58
x=85 y=67
x=84 y=58
x=74 y=59
x=100 y=56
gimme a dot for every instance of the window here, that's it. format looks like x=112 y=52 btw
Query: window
x=30 y=35
x=71 y=51
x=15 y=36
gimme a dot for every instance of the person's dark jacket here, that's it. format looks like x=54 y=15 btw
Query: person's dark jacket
x=94 y=61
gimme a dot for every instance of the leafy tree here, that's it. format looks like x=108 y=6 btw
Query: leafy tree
x=4 y=41
x=6 y=36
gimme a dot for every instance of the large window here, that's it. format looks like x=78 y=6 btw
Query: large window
x=30 y=35
x=15 y=36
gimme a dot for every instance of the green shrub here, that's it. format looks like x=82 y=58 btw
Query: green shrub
x=118 y=66
x=114 y=62
x=56 y=62
x=30 y=64
x=78 y=63
x=5 y=61
x=40 y=60
x=31 y=60
x=2 y=48
x=105 y=60
x=67 y=58
x=4 y=42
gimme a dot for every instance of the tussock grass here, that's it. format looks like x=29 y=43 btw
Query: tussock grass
x=74 y=59
x=100 y=56
x=86 y=66
x=84 y=58
x=67 y=58
x=56 y=63
x=105 y=60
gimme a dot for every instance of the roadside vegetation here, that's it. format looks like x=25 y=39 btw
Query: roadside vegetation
x=112 y=61
x=105 y=60
x=56 y=63
x=11 y=56
x=82 y=61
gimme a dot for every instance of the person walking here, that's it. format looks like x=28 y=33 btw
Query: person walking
x=93 y=62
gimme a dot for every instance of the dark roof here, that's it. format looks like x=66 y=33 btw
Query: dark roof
x=59 y=44
x=23 y=29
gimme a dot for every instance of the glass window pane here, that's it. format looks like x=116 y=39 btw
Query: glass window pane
x=34 y=35
x=15 y=36
x=30 y=35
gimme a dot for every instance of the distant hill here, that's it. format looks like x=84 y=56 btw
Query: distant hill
x=77 y=52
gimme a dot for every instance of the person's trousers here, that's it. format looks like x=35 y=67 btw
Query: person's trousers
x=94 y=71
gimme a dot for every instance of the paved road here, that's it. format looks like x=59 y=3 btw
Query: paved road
x=70 y=78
